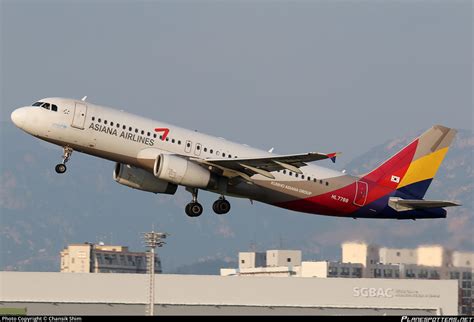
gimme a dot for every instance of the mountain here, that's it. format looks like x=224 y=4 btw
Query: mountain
x=42 y=212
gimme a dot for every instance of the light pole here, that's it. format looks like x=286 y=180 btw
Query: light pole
x=152 y=240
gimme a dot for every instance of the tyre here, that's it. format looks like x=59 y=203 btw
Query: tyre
x=60 y=168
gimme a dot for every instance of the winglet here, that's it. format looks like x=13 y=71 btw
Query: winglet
x=333 y=156
x=84 y=98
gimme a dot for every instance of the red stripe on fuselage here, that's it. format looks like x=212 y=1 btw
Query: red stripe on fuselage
x=340 y=202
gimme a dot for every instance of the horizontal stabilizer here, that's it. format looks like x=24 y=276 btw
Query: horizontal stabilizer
x=410 y=204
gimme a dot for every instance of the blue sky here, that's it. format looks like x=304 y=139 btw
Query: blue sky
x=294 y=75
x=299 y=75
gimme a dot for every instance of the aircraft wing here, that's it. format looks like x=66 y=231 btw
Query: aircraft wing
x=410 y=204
x=247 y=167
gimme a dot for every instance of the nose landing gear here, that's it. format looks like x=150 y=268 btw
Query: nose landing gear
x=194 y=208
x=61 y=167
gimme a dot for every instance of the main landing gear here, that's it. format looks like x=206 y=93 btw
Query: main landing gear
x=61 y=167
x=194 y=208
x=221 y=206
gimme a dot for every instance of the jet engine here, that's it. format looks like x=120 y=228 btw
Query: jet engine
x=178 y=170
x=142 y=180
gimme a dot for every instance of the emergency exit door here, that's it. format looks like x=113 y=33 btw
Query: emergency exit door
x=361 y=193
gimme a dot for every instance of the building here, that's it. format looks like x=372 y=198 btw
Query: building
x=91 y=258
x=325 y=269
x=463 y=259
x=127 y=294
x=276 y=258
x=276 y=263
x=423 y=262
x=362 y=260
x=252 y=259
x=398 y=255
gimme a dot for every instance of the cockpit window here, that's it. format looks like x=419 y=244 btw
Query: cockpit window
x=47 y=106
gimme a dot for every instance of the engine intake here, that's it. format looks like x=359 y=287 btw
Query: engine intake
x=178 y=170
x=142 y=180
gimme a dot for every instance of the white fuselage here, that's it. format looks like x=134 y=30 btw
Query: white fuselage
x=130 y=139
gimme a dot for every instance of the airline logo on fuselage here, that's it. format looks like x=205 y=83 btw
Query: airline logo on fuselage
x=127 y=135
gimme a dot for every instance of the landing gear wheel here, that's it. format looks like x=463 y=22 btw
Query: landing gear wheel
x=221 y=206
x=193 y=209
x=60 y=168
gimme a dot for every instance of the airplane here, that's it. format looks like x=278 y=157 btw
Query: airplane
x=158 y=157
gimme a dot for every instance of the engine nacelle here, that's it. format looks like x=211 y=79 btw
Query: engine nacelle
x=142 y=180
x=178 y=170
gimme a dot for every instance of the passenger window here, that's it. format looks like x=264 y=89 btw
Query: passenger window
x=284 y=171
x=309 y=178
x=105 y=122
x=315 y=180
x=188 y=144
x=179 y=142
x=211 y=150
x=327 y=183
x=321 y=181
x=54 y=108
x=118 y=126
x=147 y=133
x=205 y=149
x=230 y=156
x=130 y=128
x=223 y=154
x=167 y=139
x=302 y=176
x=290 y=173
x=93 y=118
x=142 y=132
x=136 y=130
x=111 y=123
x=161 y=137
x=99 y=120
x=296 y=175
x=172 y=140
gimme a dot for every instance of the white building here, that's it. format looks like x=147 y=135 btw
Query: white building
x=252 y=259
x=363 y=260
x=398 y=255
x=91 y=258
x=463 y=259
x=325 y=269
x=277 y=258
x=127 y=294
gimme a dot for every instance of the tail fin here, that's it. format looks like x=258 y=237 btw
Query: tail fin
x=412 y=169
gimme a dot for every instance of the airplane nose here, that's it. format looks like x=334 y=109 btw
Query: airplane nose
x=18 y=117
